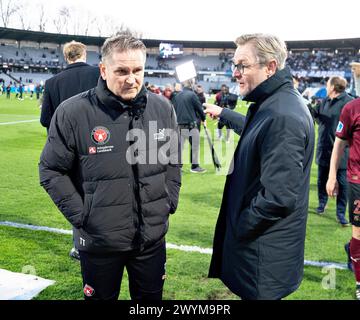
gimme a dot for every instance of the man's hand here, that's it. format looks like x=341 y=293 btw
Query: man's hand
x=332 y=187
x=213 y=110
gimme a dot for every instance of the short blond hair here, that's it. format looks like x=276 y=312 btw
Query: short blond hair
x=267 y=47
x=74 y=50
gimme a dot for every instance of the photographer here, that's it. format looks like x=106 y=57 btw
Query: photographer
x=224 y=99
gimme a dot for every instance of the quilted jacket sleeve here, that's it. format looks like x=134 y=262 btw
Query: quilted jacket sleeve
x=56 y=162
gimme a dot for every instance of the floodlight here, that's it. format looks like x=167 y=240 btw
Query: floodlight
x=186 y=71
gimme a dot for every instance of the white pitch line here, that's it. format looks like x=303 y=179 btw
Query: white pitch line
x=32 y=227
x=17 y=122
x=321 y=264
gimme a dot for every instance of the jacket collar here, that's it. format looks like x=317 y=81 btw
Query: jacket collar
x=76 y=64
x=269 y=86
x=339 y=97
x=108 y=99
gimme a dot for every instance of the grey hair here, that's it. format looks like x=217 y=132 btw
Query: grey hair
x=267 y=47
x=121 y=42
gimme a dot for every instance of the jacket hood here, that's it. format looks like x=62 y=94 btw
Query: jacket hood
x=269 y=86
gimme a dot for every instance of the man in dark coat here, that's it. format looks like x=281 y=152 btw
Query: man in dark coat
x=77 y=77
x=190 y=113
x=260 y=234
x=327 y=115
x=225 y=99
x=111 y=165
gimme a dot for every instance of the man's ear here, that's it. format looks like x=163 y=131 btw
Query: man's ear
x=102 y=68
x=271 y=67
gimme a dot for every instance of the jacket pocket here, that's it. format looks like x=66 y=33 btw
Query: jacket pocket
x=88 y=200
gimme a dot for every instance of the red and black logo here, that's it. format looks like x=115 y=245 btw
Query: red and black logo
x=89 y=291
x=100 y=135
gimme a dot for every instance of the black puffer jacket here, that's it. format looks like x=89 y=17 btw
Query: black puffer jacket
x=88 y=168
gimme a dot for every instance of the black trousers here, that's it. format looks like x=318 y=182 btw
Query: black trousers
x=191 y=132
x=102 y=273
x=341 y=199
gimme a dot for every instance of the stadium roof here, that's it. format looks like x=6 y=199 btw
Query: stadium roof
x=40 y=37
x=37 y=36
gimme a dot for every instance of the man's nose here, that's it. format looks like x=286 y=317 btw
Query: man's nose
x=236 y=73
x=130 y=79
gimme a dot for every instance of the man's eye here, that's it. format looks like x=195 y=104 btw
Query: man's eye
x=121 y=72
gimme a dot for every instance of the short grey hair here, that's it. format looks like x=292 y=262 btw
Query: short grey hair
x=267 y=47
x=121 y=42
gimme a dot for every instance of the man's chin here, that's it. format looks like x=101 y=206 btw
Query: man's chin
x=128 y=96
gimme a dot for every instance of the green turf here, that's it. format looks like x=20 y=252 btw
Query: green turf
x=23 y=200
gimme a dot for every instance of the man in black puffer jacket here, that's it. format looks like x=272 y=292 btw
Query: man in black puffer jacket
x=111 y=165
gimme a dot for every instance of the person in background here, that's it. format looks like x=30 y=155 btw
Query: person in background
x=76 y=78
x=168 y=91
x=188 y=110
x=355 y=79
x=348 y=134
x=225 y=99
x=8 y=91
x=327 y=116
x=177 y=90
x=199 y=90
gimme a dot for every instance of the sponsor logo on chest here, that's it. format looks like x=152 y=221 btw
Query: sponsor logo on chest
x=100 y=135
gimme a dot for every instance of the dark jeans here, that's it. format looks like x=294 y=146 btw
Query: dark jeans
x=102 y=273
x=341 y=199
x=191 y=132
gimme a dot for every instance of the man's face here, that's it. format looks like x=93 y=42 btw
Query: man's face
x=124 y=73
x=355 y=68
x=329 y=88
x=254 y=72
